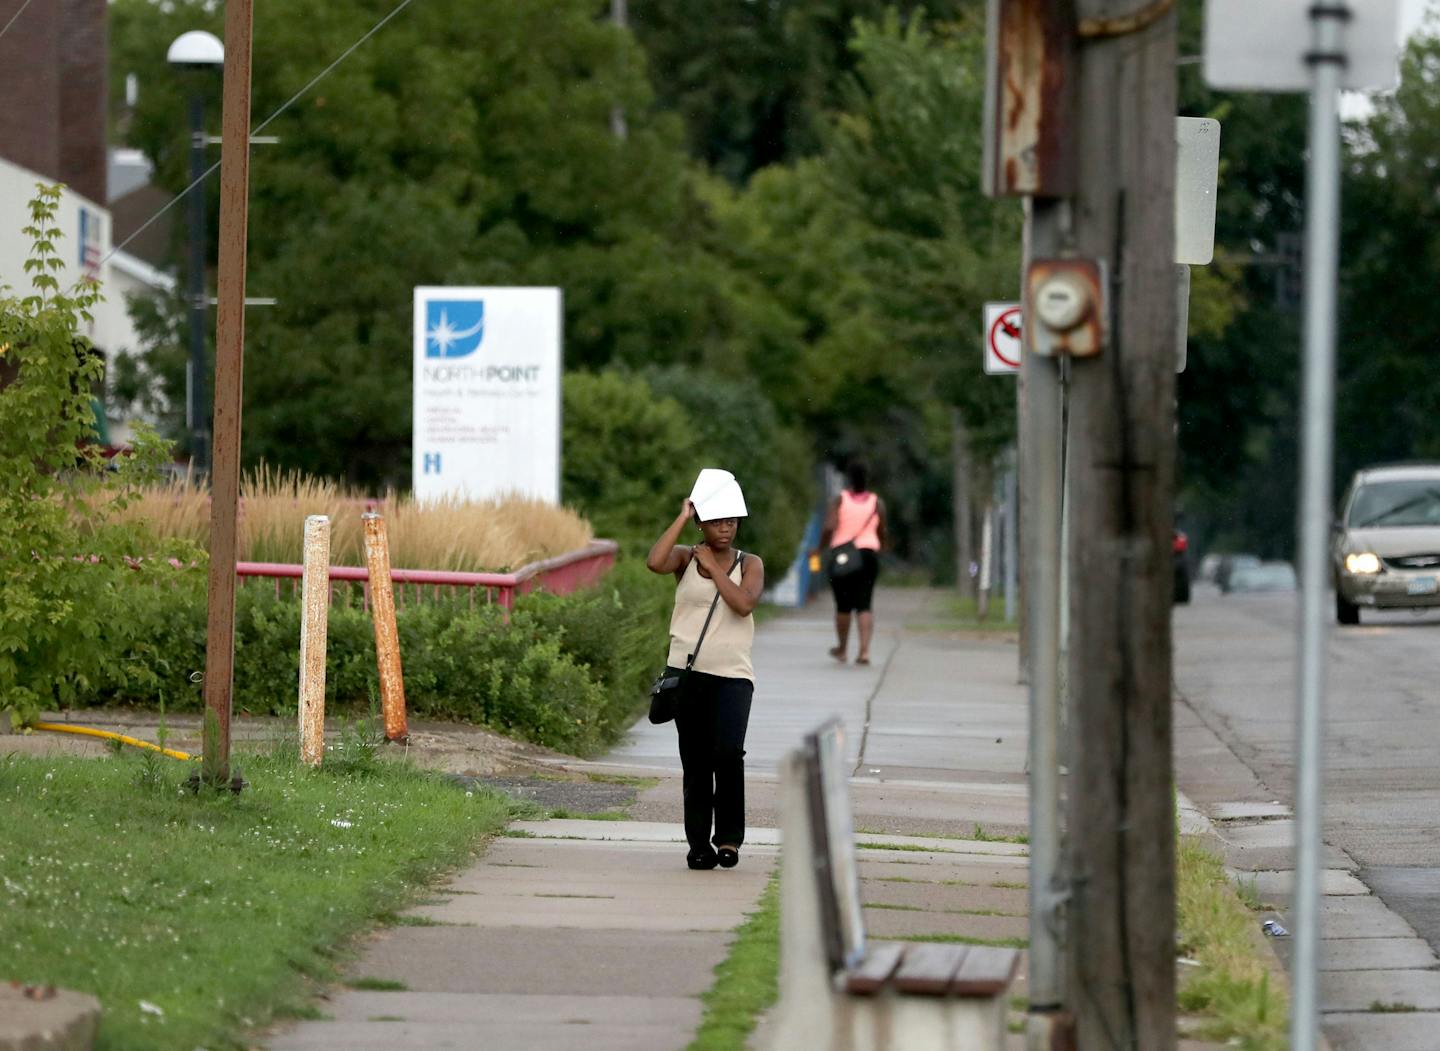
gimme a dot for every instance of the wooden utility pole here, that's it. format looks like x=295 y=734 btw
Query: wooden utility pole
x=229 y=384
x=1120 y=943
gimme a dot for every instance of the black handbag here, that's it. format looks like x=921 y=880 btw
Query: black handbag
x=666 y=691
x=845 y=559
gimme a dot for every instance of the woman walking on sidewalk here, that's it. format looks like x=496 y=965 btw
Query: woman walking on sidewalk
x=854 y=536
x=714 y=582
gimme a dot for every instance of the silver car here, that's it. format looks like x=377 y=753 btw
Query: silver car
x=1386 y=549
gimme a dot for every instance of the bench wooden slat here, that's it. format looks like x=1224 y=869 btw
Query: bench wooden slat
x=929 y=970
x=875 y=969
x=986 y=971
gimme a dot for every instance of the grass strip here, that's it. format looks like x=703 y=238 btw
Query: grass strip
x=1231 y=988
x=747 y=982
x=955 y=613
x=196 y=918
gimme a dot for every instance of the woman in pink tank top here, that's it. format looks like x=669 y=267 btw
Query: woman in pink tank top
x=857 y=519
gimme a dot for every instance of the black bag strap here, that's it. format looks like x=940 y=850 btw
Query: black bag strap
x=690 y=661
x=873 y=515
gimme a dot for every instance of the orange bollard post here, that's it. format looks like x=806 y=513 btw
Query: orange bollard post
x=314 y=625
x=387 y=638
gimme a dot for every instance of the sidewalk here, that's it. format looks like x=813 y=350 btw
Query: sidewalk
x=593 y=934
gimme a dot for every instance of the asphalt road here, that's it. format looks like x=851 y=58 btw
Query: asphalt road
x=1235 y=664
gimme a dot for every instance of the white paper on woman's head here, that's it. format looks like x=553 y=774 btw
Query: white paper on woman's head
x=717 y=495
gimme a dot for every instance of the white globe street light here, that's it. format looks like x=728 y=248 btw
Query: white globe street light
x=196 y=48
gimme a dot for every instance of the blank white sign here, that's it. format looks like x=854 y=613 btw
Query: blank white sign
x=1260 y=45
x=1197 y=171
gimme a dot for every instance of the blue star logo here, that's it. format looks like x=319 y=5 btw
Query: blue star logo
x=453 y=327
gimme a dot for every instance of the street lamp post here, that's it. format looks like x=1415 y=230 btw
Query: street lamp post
x=197 y=50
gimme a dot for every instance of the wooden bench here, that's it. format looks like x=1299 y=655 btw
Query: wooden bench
x=838 y=990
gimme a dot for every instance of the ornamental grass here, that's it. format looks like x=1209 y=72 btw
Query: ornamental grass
x=448 y=534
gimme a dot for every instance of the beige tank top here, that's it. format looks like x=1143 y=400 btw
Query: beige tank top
x=726 y=650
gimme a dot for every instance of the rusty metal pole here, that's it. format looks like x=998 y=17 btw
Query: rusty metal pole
x=387 y=638
x=1030 y=153
x=229 y=384
x=314 y=621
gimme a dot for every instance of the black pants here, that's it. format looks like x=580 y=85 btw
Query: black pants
x=711 y=725
x=853 y=594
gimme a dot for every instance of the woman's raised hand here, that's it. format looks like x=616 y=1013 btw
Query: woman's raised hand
x=687 y=509
x=707 y=560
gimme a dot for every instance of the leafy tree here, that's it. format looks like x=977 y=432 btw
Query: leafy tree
x=462 y=145
x=1239 y=403
x=627 y=451
x=65 y=564
x=1388 y=406
x=883 y=249
x=756 y=82
x=736 y=428
x=1237 y=399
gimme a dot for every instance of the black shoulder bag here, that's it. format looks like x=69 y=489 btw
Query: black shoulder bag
x=669 y=685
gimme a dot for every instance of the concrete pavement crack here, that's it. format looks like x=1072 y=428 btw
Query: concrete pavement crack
x=870 y=703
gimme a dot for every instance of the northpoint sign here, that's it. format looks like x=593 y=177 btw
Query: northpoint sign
x=487 y=393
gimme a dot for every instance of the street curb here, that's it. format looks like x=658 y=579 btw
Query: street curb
x=1196 y=824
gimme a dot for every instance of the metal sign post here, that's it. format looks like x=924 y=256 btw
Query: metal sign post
x=1346 y=47
x=1322 y=251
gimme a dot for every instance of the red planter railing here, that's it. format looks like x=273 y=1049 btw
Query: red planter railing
x=560 y=575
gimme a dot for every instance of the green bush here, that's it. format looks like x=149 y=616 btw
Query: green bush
x=564 y=671
x=627 y=454
x=633 y=446
x=67 y=566
x=739 y=431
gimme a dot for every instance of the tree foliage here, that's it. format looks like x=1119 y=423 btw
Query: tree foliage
x=462 y=145
x=64 y=562
x=756 y=82
x=468 y=145
x=1239 y=405
x=1388 y=406
x=884 y=249
x=635 y=443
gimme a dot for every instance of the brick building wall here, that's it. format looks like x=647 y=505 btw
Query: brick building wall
x=84 y=98
x=53 y=72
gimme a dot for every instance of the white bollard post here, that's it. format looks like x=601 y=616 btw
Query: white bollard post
x=314 y=624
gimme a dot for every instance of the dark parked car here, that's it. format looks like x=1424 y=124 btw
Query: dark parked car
x=1181 y=549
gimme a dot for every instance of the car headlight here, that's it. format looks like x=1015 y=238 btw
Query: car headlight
x=1362 y=562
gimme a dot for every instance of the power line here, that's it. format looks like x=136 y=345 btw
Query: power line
x=259 y=127
x=16 y=15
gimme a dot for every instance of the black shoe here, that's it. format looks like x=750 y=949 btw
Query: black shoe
x=729 y=857
x=702 y=859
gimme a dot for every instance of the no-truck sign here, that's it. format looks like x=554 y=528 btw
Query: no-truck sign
x=1002 y=338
